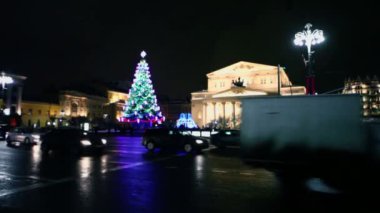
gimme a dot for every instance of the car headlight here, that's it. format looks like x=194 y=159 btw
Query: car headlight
x=198 y=141
x=36 y=136
x=104 y=141
x=85 y=142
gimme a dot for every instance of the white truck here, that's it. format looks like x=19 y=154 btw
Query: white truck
x=311 y=136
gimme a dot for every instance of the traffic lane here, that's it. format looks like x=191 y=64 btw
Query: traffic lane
x=168 y=182
x=90 y=168
x=125 y=149
x=182 y=183
x=23 y=168
x=56 y=168
x=21 y=160
x=29 y=161
x=185 y=183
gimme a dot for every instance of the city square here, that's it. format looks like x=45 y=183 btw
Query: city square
x=189 y=107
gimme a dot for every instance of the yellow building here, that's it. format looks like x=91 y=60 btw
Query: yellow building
x=38 y=114
x=77 y=104
x=220 y=104
x=116 y=102
x=73 y=104
x=116 y=96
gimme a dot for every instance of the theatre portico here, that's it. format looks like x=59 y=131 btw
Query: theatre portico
x=220 y=104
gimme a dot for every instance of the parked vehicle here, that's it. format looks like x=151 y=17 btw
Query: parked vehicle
x=72 y=140
x=172 y=138
x=224 y=138
x=4 y=128
x=322 y=136
x=23 y=135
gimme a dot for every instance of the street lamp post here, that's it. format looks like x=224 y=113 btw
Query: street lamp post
x=4 y=113
x=309 y=38
x=3 y=81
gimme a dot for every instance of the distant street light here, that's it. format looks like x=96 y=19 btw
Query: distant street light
x=309 y=38
x=5 y=80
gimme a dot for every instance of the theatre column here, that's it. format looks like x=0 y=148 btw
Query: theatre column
x=233 y=114
x=204 y=114
x=214 y=108
x=224 y=114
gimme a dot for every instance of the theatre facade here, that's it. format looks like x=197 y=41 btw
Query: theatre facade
x=220 y=106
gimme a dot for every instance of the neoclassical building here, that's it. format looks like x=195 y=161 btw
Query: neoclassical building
x=73 y=104
x=220 y=104
x=116 y=103
x=38 y=114
x=369 y=89
x=78 y=104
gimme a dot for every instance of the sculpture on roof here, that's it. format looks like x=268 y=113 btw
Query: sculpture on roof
x=238 y=83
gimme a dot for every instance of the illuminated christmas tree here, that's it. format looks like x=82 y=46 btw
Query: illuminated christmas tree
x=142 y=103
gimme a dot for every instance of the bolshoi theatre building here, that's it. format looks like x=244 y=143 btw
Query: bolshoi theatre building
x=220 y=105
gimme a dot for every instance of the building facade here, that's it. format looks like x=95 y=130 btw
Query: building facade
x=369 y=89
x=11 y=92
x=106 y=104
x=39 y=114
x=73 y=104
x=116 y=103
x=77 y=104
x=220 y=105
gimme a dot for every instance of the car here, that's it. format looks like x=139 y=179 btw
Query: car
x=71 y=140
x=172 y=138
x=4 y=128
x=23 y=135
x=224 y=138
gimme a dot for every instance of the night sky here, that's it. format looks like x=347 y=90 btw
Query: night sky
x=58 y=42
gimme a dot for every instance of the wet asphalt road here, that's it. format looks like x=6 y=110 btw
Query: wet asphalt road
x=128 y=179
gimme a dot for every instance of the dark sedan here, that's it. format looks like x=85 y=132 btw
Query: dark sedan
x=71 y=140
x=173 y=138
x=225 y=138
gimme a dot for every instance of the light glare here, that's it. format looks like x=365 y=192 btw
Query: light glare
x=308 y=37
x=85 y=142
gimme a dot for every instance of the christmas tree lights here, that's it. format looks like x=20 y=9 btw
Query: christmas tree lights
x=142 y=103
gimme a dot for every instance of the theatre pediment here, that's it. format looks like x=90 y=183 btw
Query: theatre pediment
x=237 y=92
